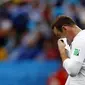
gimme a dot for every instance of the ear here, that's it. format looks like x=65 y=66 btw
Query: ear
x=65 y=27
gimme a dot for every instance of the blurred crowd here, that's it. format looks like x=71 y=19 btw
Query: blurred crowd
x=25 y=27
x=26 y=31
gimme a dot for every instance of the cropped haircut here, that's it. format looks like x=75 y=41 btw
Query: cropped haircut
x=63 y=21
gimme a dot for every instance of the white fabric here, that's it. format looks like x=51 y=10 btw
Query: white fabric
x=72 y=67
x=75 y=65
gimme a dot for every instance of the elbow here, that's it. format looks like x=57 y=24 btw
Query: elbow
x=72 y=67
x=73 y=71
x=73 y=74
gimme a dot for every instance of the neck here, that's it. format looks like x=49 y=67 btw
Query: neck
x=75 y=30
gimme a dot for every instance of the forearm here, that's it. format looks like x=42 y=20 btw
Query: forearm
x=63 y=55
x=71 y=66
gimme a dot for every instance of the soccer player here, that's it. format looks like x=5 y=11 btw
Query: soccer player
x=74 y=64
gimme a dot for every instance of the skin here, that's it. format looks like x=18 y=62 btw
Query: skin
x=69 y=32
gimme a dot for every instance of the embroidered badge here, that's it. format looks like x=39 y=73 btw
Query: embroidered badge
x=76 y=52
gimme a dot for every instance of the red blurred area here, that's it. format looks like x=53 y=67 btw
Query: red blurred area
x=58 y=78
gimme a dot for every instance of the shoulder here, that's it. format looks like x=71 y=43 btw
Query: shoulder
x=80 y=38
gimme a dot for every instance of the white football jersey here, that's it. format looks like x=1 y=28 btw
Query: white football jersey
x=77 y=59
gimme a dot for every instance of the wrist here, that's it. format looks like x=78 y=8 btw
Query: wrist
x=63 y=55
x=63 y=51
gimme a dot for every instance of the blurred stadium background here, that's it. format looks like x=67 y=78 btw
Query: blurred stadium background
x=28 y=49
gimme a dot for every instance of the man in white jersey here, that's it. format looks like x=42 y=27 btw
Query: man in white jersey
x=74 y=63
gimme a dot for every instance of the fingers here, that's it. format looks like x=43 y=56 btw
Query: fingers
x=61 y=43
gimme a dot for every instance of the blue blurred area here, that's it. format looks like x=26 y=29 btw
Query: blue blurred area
x=27 y=72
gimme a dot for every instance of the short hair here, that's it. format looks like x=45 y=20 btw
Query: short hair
x=61 y=21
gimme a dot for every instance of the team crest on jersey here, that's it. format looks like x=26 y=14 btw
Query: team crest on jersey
x=76 y=52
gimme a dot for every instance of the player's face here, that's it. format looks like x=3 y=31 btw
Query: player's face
x=58 y=33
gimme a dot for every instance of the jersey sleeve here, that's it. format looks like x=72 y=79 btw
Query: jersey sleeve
x=78 y=51
x=73 y=64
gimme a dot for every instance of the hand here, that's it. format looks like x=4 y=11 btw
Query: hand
x=62 y=49
x=61 y=45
